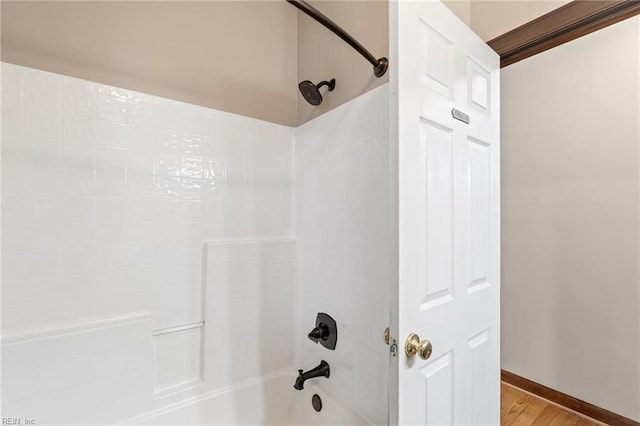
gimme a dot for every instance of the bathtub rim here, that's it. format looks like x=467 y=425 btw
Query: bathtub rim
x=203 y=396
x=231 y=388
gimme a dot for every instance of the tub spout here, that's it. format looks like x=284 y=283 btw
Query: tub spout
x=319 y=371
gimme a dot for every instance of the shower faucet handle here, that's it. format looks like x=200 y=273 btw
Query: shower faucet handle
x=320 y=332
x=325 y=332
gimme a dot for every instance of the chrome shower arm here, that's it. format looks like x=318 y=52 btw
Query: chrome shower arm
x=380 y=65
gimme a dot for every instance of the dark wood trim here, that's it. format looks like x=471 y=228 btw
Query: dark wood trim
x=566 y=23
x=567 y=401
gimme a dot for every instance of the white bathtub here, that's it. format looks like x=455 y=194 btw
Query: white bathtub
x=268 y=401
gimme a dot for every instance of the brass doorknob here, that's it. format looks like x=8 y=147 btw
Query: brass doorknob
x=414 y=345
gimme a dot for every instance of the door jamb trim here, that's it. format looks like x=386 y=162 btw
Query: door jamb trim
x=564 y=24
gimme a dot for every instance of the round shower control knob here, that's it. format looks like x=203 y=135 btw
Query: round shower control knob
x=414 y=345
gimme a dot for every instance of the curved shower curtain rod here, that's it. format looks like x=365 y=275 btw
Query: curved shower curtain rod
x=380 y=65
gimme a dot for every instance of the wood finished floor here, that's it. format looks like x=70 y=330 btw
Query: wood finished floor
x=522 y=409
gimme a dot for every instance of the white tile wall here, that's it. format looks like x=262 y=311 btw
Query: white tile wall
x=249 y=310
x=109 y=195
x=342 y=223
x=93 y=373
x=177 y=360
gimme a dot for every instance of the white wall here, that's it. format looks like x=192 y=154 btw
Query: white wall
x=109 y=194
x=72 y=39
x=342 y=222
x=490 y=19
x=91 y=373
x=461 y=8
x=571 y=218
x=250 y=309
x=236 y=56
x=323 y=56
x=108 y=197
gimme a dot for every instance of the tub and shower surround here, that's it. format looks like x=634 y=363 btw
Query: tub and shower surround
x=342 y=221
x=150 y=257
x=108 y=199
x=341 y=210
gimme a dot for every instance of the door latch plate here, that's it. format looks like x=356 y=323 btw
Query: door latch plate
x=391 y=341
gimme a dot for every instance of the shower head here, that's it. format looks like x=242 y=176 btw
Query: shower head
x=311 y=92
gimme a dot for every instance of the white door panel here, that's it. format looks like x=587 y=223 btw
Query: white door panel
x=448 y=218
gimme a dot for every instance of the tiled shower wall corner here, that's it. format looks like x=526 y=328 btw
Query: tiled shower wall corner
x=108 y=198
x=342 y=209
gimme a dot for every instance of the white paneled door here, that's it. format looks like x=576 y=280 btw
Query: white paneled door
x=445 y=104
